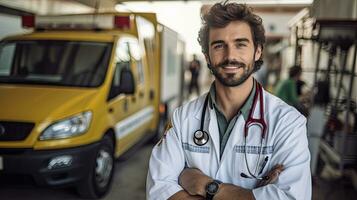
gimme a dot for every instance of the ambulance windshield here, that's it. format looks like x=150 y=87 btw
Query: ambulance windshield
x=54 y=62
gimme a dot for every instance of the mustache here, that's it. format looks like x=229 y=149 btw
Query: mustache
x=231 y=62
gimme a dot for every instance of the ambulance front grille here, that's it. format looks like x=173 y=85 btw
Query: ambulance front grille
x=15 y=131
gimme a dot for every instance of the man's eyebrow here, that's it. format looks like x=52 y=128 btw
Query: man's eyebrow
x=236 y=40
x=217 y=42
x=242 y=40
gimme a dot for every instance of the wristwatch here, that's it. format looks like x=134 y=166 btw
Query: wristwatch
x=212 y=189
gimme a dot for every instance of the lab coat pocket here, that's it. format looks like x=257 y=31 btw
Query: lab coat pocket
x=196 y=156
x=195 y=148
x=248 y=161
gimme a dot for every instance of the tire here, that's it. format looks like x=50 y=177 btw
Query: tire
x=99 y=180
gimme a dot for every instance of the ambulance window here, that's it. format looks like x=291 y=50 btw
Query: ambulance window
x=122 y=53
x=146 y=31
x=136 y=54
x=122 y=58
x=116 y=79
x=6 y=58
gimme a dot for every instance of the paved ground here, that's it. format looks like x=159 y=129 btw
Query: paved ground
x=129 y=184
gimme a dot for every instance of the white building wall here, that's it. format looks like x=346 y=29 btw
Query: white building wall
x=10 y=25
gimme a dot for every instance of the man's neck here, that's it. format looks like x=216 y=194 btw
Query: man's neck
x=231 y=99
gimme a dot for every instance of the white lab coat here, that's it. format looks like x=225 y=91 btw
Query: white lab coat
x=286 y=144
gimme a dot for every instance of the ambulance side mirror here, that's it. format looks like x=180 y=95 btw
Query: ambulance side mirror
x=127 y=83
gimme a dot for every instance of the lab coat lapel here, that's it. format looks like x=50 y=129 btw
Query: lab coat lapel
x=228 y=168
x=213 y=131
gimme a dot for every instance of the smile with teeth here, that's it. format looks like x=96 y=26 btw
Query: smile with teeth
x=231 y=67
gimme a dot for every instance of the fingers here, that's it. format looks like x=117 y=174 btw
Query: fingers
x=272 y=176
x=278 y=167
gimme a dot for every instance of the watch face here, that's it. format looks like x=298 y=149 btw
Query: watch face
x=212 y=188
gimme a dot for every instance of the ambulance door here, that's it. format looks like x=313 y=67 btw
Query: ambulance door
x=128 y=111
x=141 y=98
x=121 y=106
x=137 y=60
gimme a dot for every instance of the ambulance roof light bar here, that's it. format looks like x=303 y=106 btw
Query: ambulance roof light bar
x=122 y=22
x=83 y=21
x=28 y=21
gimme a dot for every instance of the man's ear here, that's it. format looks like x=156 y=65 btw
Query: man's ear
x=258 y=52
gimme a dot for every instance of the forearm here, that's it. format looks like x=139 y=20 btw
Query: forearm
x=233 y=192
x=183 y=195
x=194 y=182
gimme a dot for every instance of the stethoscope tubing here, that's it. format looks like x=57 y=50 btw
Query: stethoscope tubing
x=199 y=140
x=250 y=122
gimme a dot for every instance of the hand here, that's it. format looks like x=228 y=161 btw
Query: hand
x=271 y=176
x=194 y=181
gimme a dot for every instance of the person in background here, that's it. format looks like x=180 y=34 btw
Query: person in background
x=299 y=87
x=194 y=67
x=290 y=90
x=287 y=89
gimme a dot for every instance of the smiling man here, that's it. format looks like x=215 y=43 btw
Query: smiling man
x=237 y=141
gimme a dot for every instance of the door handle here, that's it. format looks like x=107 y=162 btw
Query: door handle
x=125 y=105
x=141 y=94
x=111 y=110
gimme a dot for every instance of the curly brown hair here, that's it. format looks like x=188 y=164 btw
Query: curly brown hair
x=221 y=14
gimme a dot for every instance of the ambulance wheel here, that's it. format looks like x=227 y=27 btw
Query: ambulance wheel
x=98 y=182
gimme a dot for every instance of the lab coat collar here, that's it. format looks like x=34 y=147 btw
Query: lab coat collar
x=201 y=101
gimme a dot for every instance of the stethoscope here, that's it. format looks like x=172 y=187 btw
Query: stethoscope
x=201 y=137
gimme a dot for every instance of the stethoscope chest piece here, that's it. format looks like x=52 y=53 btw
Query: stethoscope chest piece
x=200 y=137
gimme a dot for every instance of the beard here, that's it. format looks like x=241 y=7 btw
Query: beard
x=230 y=79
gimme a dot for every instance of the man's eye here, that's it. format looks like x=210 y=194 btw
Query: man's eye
x=218 y=46
x=241 y=45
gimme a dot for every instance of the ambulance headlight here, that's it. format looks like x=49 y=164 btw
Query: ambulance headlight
x=69 y=127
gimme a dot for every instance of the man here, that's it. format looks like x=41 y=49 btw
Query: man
x=194 y=67
x=238 y=141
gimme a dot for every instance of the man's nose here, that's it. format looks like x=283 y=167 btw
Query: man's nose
x=230 y=52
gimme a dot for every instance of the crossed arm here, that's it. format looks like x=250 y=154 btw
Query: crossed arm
x=193 y=181
x=168 y=178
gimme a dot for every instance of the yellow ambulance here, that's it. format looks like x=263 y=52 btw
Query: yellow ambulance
x=79 y=91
